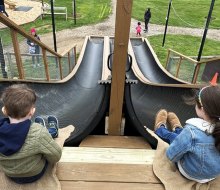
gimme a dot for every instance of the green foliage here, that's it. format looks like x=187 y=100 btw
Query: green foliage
x=186 y=13
x=187 y=45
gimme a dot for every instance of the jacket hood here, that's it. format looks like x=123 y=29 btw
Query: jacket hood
x=12 y=136
x=202 y=125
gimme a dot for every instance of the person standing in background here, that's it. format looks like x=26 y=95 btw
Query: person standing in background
x=34 y=49
x=138 y=29
x=147 y=16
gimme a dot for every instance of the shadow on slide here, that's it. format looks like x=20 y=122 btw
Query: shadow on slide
x=156 y=90
x=80 y=100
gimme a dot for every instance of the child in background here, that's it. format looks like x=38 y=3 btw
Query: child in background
x=26 y=148
x=138 y=29
x=195 y=148
x=34 y=49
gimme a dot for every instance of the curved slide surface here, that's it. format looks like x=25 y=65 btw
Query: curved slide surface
x=144 y=100
x=80 y=101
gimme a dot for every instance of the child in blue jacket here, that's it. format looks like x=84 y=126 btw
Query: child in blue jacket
x=194 y=148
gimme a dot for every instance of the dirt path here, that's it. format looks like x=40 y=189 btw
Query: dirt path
x=107 y=28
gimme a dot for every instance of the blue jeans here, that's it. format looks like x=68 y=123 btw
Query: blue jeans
x=166 y=135
x=23 y=180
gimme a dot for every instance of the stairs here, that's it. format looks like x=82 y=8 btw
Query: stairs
x=103 y=167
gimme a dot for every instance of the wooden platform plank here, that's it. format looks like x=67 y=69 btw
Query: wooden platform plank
x=106 y=172
x=115 y=142
x=107 y=155
x=106 y=164
x=76 y=185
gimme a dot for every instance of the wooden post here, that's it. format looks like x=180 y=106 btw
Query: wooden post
x=69 y=62
x=45 y=64
x=168 y=58
x=196 y=73
x=74 y=57
x=60 y=67
x=17 y=53
x=122 y=30
x=178 y=67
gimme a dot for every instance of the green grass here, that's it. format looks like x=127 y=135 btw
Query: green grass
x=187 y=13
x=94 y=11
x=87 y=12
x=187 y=45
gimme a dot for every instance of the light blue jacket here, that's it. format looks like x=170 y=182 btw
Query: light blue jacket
x=194 y=149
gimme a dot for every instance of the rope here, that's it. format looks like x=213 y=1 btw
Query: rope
x=156 y=18
x=181 y=18
x=187 y=22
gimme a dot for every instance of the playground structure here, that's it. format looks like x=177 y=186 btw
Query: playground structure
x=81 y=101
x=46 y=10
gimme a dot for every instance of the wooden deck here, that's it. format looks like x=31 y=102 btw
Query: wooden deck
x=110 y=163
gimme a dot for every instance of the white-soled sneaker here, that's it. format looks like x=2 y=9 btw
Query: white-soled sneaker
x=53 y=126
x=40 y=120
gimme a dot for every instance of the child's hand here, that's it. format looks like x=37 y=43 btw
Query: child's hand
x=32 y=44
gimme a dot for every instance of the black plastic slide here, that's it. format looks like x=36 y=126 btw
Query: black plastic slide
x=143 y=101
x=80 y=101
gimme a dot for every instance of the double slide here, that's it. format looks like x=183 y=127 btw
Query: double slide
x=81 y=100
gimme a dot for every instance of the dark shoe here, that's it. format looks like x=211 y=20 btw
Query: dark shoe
x=53 y=126
x=173 y=121
x=40 y=120
x=161 y=118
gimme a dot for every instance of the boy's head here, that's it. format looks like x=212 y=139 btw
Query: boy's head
x=18 y=101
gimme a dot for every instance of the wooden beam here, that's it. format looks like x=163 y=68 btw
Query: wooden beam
x=122 y=30
x=20 y=68
x=45 y=64
x=75 y=59
x=60 y=67
x=178 y=66
x=196 y=73
x=82 y=185
x=69 y=62
x=106 y=164
x=115 y=142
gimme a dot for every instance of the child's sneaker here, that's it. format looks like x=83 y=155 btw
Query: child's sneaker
x=40 y=120
x=53 y=126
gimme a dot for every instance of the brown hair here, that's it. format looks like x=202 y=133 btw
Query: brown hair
x=18 y=100
x=209 y=99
